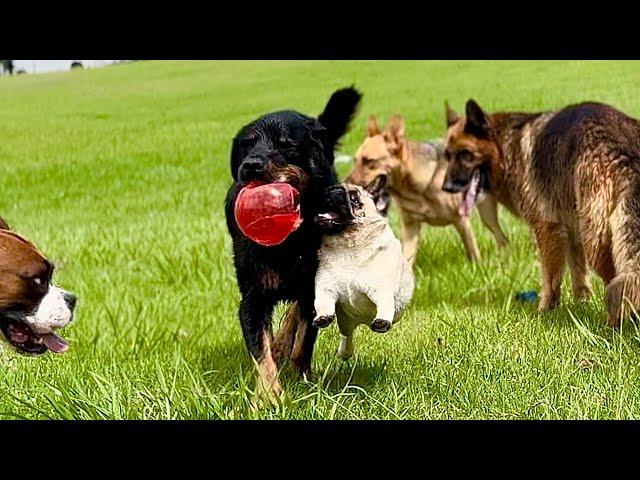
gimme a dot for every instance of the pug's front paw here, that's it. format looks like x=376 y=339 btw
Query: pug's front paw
x=380 y=326
x=323 y=321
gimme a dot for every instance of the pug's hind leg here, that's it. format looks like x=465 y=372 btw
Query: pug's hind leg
x=346 y=348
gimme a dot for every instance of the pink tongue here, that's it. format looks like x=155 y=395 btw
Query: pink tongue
x=470 y=195
x=55 y=343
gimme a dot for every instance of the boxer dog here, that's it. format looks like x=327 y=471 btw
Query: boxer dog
x=32 y=308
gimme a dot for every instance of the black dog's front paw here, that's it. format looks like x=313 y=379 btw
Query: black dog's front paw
x=380 y=326
x=323 y=321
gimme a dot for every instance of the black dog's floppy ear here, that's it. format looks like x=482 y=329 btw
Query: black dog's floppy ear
x=477 y=122
x=376 y=186
x=338 y=113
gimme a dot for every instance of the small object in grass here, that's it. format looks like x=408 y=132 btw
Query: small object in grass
x=268 y=213
x=586 y=364
x=529 y=296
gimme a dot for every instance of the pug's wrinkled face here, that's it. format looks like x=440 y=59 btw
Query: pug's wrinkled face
x=349 y=205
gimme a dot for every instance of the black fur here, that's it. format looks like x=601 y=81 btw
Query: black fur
x=302 y=149
x=477 y=123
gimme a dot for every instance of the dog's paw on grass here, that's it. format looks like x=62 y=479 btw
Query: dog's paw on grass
x=323 y=321
x=380 y=326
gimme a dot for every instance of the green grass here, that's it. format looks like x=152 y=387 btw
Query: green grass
x=119 y=176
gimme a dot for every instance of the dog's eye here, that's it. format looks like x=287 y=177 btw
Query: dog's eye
x=353 y=197
x=464 y=156
x=38 y=281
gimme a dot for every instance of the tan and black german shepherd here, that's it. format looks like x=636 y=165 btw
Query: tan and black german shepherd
x=574 y=176
x=415 y=174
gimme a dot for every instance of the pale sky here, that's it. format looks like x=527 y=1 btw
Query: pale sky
x=39 y=66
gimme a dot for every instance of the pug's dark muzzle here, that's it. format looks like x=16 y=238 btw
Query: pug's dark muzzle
x=336 y=214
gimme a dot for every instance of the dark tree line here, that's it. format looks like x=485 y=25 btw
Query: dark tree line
x=7 y=67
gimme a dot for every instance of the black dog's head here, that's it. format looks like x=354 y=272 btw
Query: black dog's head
x=290 y=147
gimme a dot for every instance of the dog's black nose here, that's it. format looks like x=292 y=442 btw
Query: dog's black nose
x=70 y=299
x=251 y=167
x=452 y=186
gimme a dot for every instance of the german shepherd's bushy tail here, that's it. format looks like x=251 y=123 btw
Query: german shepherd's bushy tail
x=623 y=292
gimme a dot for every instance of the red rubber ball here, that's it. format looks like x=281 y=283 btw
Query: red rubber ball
x=268 y=213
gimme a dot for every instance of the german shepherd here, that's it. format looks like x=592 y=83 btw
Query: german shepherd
x=574 y=176
x=415 y=174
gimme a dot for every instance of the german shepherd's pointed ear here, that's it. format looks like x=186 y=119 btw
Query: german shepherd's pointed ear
x=338 y=113
x=396 y=127
x=477 y=123
x=372 y=126
x=394 y=135
x=452 y=116
x=376 y=186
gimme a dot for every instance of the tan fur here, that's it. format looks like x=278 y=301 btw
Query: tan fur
x=267 y=382
x=577 y=187
x=289 y=341
x=19 y=261
x=283 y=343
x=415 y=173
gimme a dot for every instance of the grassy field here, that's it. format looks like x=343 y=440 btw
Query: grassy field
x=119 y=176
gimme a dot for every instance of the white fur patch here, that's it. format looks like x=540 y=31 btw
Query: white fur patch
x=343 y=158
x=52 y=313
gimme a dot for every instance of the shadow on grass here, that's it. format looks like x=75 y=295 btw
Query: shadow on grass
x=233 y=366
x=590 y=315
x=336 y=375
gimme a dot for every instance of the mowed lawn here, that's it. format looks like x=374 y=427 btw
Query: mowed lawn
x=119 y=176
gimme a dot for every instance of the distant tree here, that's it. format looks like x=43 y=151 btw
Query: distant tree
x=7 y=66
x=76 y=64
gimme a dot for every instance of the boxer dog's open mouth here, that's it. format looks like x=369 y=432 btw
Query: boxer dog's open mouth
x=25 y=340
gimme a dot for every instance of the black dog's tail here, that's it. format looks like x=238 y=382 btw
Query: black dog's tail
x=339 y=112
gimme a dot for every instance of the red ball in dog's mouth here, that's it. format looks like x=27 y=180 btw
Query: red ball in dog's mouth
x=268 y=213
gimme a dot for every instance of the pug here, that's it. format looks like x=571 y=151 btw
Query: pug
x=362 y=276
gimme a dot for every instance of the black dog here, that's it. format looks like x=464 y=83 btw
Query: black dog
x=289 y=147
